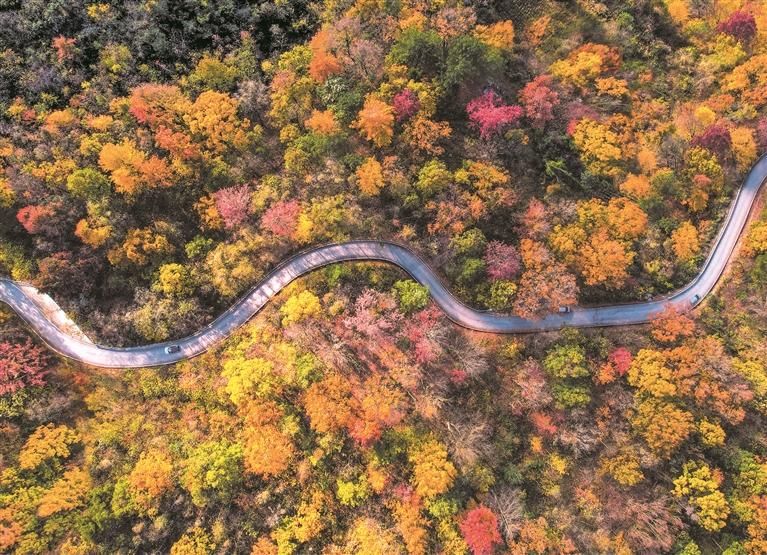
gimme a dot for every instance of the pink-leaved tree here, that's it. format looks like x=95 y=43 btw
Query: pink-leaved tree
x=405 y=104
x=490 y=115
x=501 y=260
x=281 y=218
x=233 y=204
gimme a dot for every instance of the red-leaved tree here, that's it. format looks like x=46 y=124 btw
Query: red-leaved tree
x=502 y=260
x=405 y=104
x=233 y=203
x=539 y=100
x=490 y=115
x=36 y=218
x=740 y=24
x=621 y=359
x=281 y=218
x=715 y=138
x=21 y=365
x=479 y=528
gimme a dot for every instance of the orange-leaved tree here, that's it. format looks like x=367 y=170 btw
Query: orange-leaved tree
x=376 y=121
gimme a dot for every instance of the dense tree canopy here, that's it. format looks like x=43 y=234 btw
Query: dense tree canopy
x=158 y=158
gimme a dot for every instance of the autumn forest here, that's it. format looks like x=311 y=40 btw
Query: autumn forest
x=159 y=157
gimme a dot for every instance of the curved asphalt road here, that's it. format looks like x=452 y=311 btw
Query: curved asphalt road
x=302 y=263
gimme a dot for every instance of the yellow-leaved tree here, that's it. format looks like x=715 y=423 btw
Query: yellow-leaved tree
x=213 y=120
x=47 y=442
x=300 y=307
x=637 y=186
x=67 y=493
x=663 y=425
x=131 y=170
x=598 y=146
x=743 y=147
x=370 y=177
x=368 y=536
x=685 y=241
x=498 y=35
x=248 y=377
x=624 y=468
x=433 y=473
x=756 y=240
x=151 y=477
x=650 y=374
x=699 y=485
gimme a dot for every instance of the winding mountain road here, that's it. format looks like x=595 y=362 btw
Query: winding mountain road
x=24 y=305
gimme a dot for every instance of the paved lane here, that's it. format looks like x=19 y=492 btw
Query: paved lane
x=292 y=268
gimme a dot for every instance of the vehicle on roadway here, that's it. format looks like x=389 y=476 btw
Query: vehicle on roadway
x=694 y=300
x=170 y=349
x=565 y=309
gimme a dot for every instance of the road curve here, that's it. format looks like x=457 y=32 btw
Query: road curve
x=244 y=309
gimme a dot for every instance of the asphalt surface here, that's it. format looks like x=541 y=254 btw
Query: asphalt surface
x=244 y=309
